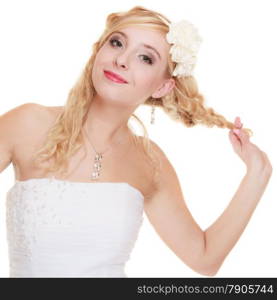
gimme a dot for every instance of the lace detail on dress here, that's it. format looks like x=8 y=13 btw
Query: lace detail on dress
x=62 y=228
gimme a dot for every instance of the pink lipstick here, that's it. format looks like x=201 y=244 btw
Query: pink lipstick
x=114 y=77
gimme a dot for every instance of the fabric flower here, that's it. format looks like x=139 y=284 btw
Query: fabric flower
x=186 y=42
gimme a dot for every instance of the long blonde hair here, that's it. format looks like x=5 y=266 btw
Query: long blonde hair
x=183 y=104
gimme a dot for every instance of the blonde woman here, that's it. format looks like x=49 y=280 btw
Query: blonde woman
x=84 y=178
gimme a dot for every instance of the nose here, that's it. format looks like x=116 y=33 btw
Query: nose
x=121 y=61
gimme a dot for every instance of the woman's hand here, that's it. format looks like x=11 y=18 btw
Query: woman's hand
x=253 y=157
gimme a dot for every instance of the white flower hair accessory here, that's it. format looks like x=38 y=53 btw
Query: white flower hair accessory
x=186 y=42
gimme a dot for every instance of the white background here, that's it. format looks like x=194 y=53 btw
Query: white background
x=44 y=47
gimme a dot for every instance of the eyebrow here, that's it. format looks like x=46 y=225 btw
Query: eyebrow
x=145 y=45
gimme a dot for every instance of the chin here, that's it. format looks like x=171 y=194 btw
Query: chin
x=109 y=90
x=110 y=96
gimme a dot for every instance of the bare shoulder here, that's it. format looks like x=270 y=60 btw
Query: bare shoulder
x=165 y=177
x=41 y=112
x=16 y=126
x=25 y=114
x=168 y=212
x=25 y=122
x=163 y=161
x=20 y=110
x=36 y=116
x=14 y=121
x=155 y=148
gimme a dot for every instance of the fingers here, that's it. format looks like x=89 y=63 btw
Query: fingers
x=238 y=123
x=240 y=133
x=234 y=138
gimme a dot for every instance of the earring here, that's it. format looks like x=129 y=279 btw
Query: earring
x=152 y=114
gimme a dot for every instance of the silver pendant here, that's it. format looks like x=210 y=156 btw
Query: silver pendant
x=97 y=166
x=152 y=114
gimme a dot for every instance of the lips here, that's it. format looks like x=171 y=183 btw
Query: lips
x=114 y=77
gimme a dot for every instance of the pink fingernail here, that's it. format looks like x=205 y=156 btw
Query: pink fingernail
x=236 y=131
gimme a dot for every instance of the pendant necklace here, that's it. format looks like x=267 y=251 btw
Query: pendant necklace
x=97 y=166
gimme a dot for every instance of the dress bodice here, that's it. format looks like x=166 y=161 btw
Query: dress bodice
x=58 y=228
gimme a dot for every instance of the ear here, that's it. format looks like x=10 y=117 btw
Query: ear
x=164 y=89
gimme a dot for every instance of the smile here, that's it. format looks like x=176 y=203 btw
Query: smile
x=114 y=77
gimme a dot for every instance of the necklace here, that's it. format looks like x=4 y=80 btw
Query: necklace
x=97 y=166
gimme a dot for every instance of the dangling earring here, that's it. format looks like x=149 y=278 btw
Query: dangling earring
x=152 y=114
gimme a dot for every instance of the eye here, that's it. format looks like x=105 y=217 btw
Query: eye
x=114 y=40
x=148 y=59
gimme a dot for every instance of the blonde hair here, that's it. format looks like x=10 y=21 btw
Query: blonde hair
x=183 y=104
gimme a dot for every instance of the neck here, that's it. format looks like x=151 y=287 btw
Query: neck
x=106 y=124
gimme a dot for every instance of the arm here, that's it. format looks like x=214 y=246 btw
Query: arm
x=168 y=213
x=13 y=124
x=7 y=133
x=223 y=234
x=202 y=251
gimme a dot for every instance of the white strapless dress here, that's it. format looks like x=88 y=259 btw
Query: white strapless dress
x=58 y=228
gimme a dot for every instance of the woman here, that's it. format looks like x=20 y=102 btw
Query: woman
x=84 y=178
